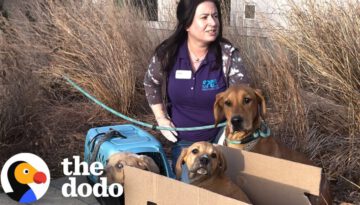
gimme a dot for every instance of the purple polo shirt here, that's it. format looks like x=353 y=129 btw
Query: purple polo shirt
x=192 y=95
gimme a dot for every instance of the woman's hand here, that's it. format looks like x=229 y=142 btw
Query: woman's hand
x=169 y=135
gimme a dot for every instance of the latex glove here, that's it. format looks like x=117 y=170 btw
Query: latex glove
x=169 y=135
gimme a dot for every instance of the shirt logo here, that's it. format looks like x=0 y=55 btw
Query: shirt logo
x=25 y=178
x=210 y=85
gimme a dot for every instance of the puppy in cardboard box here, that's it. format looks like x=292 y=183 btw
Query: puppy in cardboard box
x=114 y=170
x=206 y=166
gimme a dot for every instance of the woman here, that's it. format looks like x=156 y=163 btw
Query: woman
x=187 y=71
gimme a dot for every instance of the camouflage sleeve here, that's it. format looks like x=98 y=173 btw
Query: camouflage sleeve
x=237 y=73
x=153 y=82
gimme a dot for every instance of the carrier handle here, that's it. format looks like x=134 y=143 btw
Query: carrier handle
x=105 y=136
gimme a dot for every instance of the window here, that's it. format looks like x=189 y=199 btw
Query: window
x=250 y=11
x=225 y=11
x=149 y=7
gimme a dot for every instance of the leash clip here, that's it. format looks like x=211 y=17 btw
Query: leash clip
x=264 y=130
x=153 y=127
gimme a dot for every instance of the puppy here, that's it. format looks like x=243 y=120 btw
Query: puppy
x=206 y=165
x=244 y=109
x=114 y=170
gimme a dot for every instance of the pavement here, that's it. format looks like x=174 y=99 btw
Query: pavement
x=54 y=196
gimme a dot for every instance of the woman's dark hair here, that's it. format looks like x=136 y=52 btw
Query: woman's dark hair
x=167 y=50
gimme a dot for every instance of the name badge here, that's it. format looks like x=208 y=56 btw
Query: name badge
x=183 y=74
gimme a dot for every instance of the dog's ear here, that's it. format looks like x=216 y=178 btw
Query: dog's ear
x=180 y=161
x=262 y=102
x=219 y=108
x=222 y=161
x=149 y=163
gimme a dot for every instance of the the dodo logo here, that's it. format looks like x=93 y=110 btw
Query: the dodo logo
x=25 y=177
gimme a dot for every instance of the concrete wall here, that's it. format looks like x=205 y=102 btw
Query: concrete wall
x=265 y=11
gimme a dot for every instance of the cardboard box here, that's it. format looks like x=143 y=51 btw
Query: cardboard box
x=266 y=180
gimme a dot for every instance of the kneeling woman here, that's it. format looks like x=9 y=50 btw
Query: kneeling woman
x=187 y=71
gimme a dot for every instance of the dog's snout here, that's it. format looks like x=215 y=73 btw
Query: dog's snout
x=236 y=120
x=204 y=160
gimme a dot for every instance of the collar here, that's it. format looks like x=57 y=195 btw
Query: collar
x=263 y=131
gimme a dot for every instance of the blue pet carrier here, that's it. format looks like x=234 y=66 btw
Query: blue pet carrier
x=102 y=142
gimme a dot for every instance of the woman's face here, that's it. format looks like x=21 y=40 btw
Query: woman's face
x=205 y=25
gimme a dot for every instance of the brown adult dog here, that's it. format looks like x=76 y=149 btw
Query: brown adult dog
x=206 y=165
x=244 y=108
x=114 y=170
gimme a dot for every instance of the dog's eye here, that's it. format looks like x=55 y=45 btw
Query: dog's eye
x=228 y=103
x=247 y=100
x=213 y=155
x=195 y=151
x=119 y=165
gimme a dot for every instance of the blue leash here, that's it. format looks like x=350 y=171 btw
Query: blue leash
x=136 y=121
